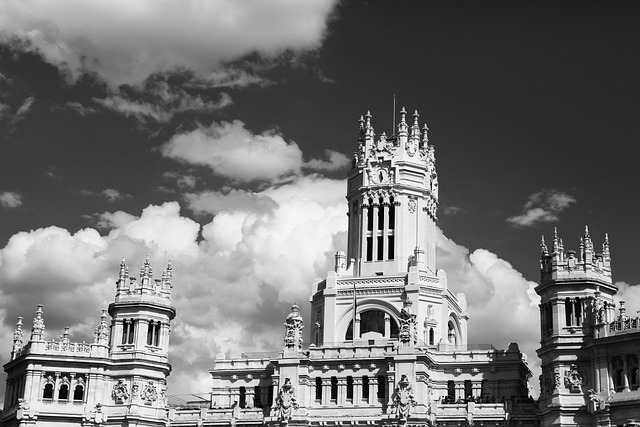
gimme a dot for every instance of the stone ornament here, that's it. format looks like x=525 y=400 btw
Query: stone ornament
x=149 y=393
x=293 y=329
x=37 y=331
x=408 y=316
x=286 y=402
x=412 y=205
x=18 y=336
x=574 y=379
x=120 y=392
x=403 y=399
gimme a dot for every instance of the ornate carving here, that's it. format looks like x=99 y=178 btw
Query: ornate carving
x=574 y=379
x=412 y=205
x=37 y=331
x=408 y=322
x=286 y=402
x=149 y=392
x=101 y=333
x=120 y=392
x=403 y=399
x=18 y=336
x=293 y=329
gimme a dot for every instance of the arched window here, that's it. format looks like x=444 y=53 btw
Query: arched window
x=48 y=391
x=156 y=338
x=373 y=321
x=63 y=393
x=451 y=334
x=78 y=393
x=635 y=379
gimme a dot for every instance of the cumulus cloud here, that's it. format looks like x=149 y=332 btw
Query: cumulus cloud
x=231 y=150
x=502 y=304
x=125 y=42
x=235 y=276
x=542 y=207
x=10 y=200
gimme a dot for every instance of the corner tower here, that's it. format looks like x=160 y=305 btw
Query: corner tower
x=393 y=198
x=576 y=294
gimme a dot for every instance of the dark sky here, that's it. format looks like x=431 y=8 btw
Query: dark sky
x=532 y=108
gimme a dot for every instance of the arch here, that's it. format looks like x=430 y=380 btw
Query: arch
x=63 y=392
x=373 y=321
x=342 y=325
x=48 y=391
x=78 y=393
x=454 y=336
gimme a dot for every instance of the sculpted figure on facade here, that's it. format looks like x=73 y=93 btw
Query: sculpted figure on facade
x=293 y=329
x=149 y=392
x=408 y=324
x=120 y=392
x=403 y=399
x=286 y=402
x=37 y=331
x=18 y=336
x=574 y=379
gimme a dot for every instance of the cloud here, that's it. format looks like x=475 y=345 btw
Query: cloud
x=502 y=304
x=232 y=151
x=125 y=42
x=235 y=276
x=109 y=194
x=542 y=207
x=10 y=200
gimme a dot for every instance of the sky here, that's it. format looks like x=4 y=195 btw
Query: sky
x=218 y=135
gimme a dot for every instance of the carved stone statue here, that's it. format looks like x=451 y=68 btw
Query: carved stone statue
x=403 y=399
x=149 y=392
x=574 y=379
x=408 y=322
x=286 y=402
x=293 y=329
x=120 y=392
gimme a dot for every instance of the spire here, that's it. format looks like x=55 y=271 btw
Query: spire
x=145 y=273
x=556 y=247
x=543 y=247
x=605 y=247
x=425 y=136
x=101 y=333
x=415 y=128
x=37 y=331
x=18 y=337
x=64 y=338
x=402 y=126
x=293 y=326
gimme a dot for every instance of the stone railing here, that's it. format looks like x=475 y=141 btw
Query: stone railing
x=622 y=325
x=67 y=347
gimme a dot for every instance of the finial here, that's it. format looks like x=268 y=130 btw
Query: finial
x=146 y=260
x=543 y=246
x=361 y=121
x=368 y=117
x=555 y=240
x=425 y=136
x=416 y=116
x=403 y=114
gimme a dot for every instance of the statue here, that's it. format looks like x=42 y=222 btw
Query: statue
x=407 y=324
x=574 y=379
x=403 y=399
x=120 y=392
x=293 y=329
x=286 y=402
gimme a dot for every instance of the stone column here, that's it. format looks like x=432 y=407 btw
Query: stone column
x=625 y=373
x=374 y=233
x=610 y=382
x=366 y=211
x=385 y=231
x=387 y=326
x=373 y=390
x=342 y=391
x=326 y=391
x=357 y=390
x=356 y=328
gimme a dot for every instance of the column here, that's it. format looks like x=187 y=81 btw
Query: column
x=249 y=392
x=366 y=211
x=385 y=232
x=356 y=328
x=326 y=391
x=373 y=390
x=357 y=390
x=387 y=326
x=374 y=233
x=610 y=382
x=625 y=373
x=342 y=391
x=140 y=333
x=391 y=383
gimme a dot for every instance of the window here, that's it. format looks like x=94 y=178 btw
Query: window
x=350 y=388
x=391 y=248
x=270 y=395
x=380 y=215
x=365 y=387
x=318 y=388
x=451 y=392
x=334 y=388
x=369 y=248
x=150 y=333
x=468 y=390
x=568 y=312
x=373 y=321
x=431 y=336
x=382 y=386
x=78 y=393
x=127 y=331
x=48 y=391
x=380 y=249
x=257 y=396
x=63 y=393
x=243 y=397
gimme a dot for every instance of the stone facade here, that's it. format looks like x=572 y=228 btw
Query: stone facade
x=590 y=355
